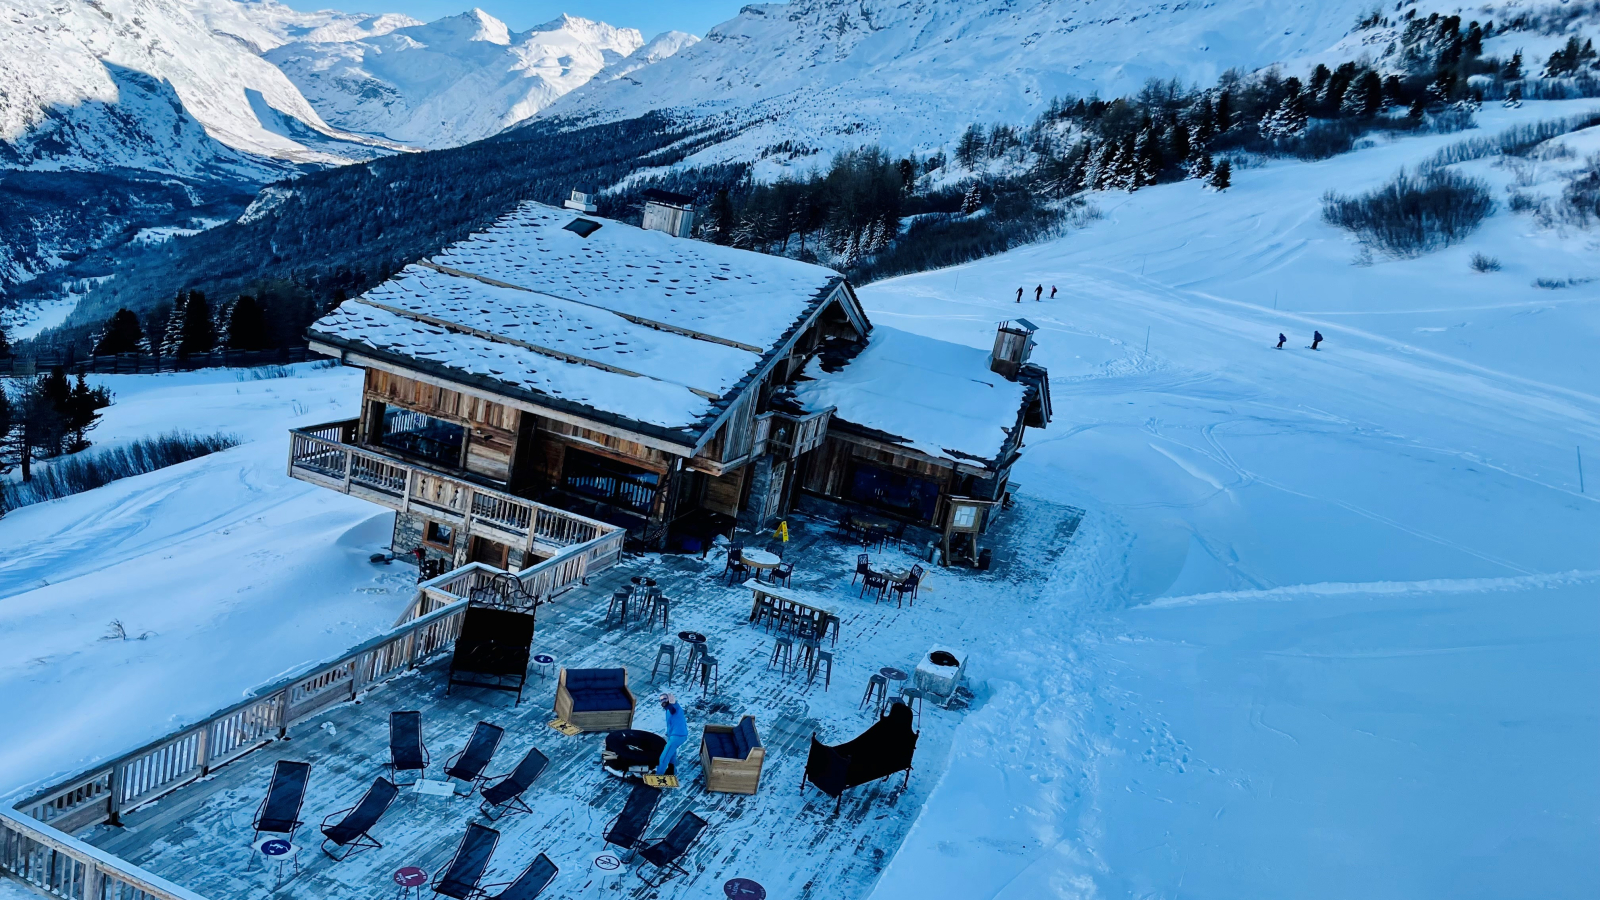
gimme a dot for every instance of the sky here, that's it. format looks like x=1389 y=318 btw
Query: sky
x=649 y=16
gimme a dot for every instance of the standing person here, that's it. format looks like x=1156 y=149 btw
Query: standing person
x=1052 y=292
x=1019 y=295
x=677 y=732
x=1281 y=339
x=1038 y=293
x=1316 y=338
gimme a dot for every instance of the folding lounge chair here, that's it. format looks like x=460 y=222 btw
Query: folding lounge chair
x=628 y=827
x=279 y=812
x=531 y=883
x=351 y=832
x=468 y=765
x=406 y=751
x=664 y=854
x=505 y=795
x=460 y=878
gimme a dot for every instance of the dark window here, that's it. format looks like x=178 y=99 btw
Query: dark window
x=425 y=437
x=895 y=492
x=582 y=227
x=608 y=481
x=439 y=533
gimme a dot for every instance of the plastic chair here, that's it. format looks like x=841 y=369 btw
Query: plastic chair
x=862 y=568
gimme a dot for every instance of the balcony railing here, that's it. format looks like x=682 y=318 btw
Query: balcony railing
x=327 y=455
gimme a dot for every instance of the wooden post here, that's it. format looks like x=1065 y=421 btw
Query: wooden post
x=202 y=750
x=114 y=801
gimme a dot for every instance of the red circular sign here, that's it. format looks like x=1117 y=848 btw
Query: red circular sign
x=744 y=889
x=410 y=876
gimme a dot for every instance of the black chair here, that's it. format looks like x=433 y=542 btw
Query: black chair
x=505 y=795
x=406 y=750
x=460 y=878
x=782 y=572
x=875 y=582
x=468 y=765
x=735 y=555
x=352 y=831
x=628 y=827
x=530 y=884
x=907 y=588
x=738 y=571
x=279 y=812
x=861 y=568
x=664 y=854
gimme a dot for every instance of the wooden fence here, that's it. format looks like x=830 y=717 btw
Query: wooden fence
x=59 y=865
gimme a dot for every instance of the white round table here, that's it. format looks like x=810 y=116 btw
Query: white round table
x=760 y=560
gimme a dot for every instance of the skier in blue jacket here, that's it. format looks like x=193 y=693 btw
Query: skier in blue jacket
x=677 y=732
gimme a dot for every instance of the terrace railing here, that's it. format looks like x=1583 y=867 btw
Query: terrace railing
x=328 y=455
x=59 y=865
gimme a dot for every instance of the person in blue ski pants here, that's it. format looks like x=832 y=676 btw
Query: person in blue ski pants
x=677 y=732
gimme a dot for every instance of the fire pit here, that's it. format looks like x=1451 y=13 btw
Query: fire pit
x=941 y=670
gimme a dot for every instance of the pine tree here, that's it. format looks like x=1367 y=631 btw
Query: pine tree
x=5 y=351
x=81 y=411
x=1512 y=70
x=970 y=148
x=908 y=175
x=972 y=200
x=1125 y=171
x=1202 y=167
x=1180 y=141
x=1105 y=167
x=172 y=335
x=199 y=331
x=1224 y=112
x=1151 y=161
x=721 y=218
x=1287 y=120
x=121 y=334
x=1222 y=176
x=246 y=325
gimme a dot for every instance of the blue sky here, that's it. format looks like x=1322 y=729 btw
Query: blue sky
x=649 y=16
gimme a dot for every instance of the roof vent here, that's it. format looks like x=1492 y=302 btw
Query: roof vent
x=582 y=200
x=1013 y=344
x=669 y=212
x=582 y=227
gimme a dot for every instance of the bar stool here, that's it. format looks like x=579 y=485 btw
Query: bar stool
x=671 y=653
x=879 y=685
x=823 y=656
x=912 y=698
x=767 y=610
x=656 y=607
x=618 y=607
x=696 y=650
x=784 y=647
x=709 y=672
x=832 y=621
x=808 y=653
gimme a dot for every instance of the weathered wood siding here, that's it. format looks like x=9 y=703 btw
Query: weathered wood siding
x=722 y=493
x=492 y=427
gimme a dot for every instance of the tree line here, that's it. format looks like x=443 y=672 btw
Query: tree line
x=47 y=417
x=191 y=326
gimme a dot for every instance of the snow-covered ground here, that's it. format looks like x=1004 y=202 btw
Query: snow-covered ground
x=236 y=572
x=1328 y=629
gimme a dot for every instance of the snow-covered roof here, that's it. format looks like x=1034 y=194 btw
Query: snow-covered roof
x=633 y=323
x=930 y=395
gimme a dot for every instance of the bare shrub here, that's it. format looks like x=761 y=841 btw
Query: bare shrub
x=86 y=471
x=1515 y=141
x=1582 y=195
x=1521 y=201
x=1481 y=263
x=1413 y=214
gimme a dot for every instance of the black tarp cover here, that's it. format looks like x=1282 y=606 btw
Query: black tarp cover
x=878 y=752
x=493 y=649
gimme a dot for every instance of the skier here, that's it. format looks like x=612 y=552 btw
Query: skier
x=1019 y=295
x=1038 y=293
x=1052 y=292
x=1316 y=338
x=1281 y=339
x=677 y=732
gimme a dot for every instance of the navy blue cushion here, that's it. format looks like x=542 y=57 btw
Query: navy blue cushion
x=721 y=745
x=745 y=736
x=599 y=700
x=580 y=679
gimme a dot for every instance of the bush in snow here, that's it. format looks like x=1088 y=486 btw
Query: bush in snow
x=76 y=474
x=1413 y=213
x=1582 y=196
x=1481 y=263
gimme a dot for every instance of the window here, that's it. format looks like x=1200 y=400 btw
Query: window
x=439 y=534
x=894 y=491
x=965 y=517
x=425 y=437
x=608 y=481
x=582 y=227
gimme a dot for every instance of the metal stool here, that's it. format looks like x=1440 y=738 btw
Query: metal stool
x=832 y=621
x=766 y=609
x=708 y=672
x=879 y=685
x=808 y=653
x=909 y=694
x=785 y=647
x=660 y=608
x=695 y=652
x=823 y=656
x=618 y=607
x=671 y=653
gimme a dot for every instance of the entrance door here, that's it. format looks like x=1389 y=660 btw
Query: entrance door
x=774 y=500
x=488 y=552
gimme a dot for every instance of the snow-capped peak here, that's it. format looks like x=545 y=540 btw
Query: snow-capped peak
x=474 y=25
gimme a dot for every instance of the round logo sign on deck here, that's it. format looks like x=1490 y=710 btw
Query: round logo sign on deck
x=543 y=659
x=744 y=889
x=410 y=876
x=607 y=862
x=273 y=848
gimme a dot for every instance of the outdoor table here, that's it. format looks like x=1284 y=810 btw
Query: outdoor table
x=545 y=662
x=435 y=788
x=697 y=647
x=280 y=851
x=743 y=889
x=410 y=878
x=787 y=599
x=760 y=560
x=896 y=575
x=893 y=674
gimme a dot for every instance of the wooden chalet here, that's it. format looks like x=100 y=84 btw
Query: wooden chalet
x=562 y=366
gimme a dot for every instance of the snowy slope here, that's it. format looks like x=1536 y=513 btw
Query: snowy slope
x=1327 y=630
x=154 y=84
x=453 y=81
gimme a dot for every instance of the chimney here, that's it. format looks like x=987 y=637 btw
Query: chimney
x=582 y=200
x=1013 y=344
x=669 y=212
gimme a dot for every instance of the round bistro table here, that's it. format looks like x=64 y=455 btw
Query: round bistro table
x=411 y=879
x=761 y=561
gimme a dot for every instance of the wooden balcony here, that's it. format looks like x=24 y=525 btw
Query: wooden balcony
x=328 y=455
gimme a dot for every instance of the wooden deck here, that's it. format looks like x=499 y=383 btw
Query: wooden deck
x=796 y=845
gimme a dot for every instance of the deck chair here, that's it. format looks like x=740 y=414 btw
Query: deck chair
x=531 y=883
x=468 y=765
x=406 y=750
x=460 y=878
x=279 y=812
x=505 y=795
x=351 y=832
x=628 y=827
x=664 y=854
